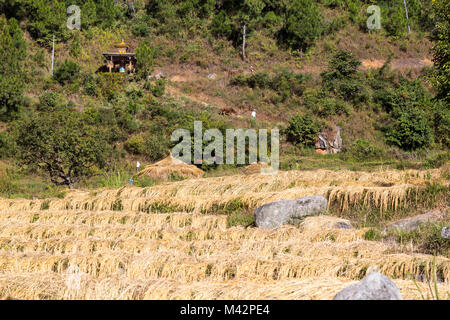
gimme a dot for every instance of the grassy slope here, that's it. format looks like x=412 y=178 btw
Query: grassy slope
x=187 y=63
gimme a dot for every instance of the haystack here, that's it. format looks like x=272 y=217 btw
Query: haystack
x=255 y=168
x=170 y=165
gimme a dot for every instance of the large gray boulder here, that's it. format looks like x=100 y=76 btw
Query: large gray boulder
x=445 y=233
x=375 y=286
x=276 y=214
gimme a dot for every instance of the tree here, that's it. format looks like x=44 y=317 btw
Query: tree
x=411 y=129
x=12 y=54
x=303 y=24
x=67 y=72
x=46 y=18
x=441 y=49
x=89 y=16
x=63 y=144
x=221 y=25
x=342 y=65
x=144 y=57
x=303 y=130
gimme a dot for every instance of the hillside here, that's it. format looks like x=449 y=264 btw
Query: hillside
x=293 y=74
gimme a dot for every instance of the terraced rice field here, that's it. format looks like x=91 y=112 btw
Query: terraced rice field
x=111 y=245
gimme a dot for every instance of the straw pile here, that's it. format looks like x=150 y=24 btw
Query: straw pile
x=257 y=168
x=170 y=165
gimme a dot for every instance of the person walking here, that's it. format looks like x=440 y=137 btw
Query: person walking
x=254 y=114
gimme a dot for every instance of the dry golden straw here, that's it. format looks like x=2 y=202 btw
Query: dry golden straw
x=121 y=249
x=170 y=165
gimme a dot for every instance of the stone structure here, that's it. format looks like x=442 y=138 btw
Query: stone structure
x=329 y=141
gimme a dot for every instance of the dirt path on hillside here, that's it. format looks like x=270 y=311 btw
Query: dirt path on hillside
x=409 y=63
x=396 y=64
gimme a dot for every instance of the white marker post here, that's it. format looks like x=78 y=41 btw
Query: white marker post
x=407 y=18
x=53 y=54
x=138 y=165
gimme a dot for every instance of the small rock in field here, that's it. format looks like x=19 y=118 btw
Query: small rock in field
x=342 y=225
x=159 y=75
x=374 y=286
x=445 y=233
x=412 y=223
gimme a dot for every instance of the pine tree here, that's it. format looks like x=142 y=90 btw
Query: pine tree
x=12 y=79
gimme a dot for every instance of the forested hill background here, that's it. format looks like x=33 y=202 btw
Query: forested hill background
x=316 y=64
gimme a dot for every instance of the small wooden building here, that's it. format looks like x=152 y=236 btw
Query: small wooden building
x=120 y=59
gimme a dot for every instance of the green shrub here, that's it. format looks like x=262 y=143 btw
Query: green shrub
x=329 y=106
x=427 y=237
x=437 y=161
x=243 y=219
x=48 y=101
x=260 y=80
x=91 y=85
x=6 y=145
x=303 y=130
x=373 y=235
x=410 y=129
x=113 y=180
x=406 y=94
x=67 y=72
x=302 y=25
x=272 y=23
x=75 y=47
x=144 y=55
x=157 y=146
x=396 y=24
x=141 y=29
x=12 y=73
x=159 y=88
x=441 y=123
x=342 y=65
x=284 y=83
x=144 y=181
x=363 y=150
x=221 y=25
x=135 y=145
x=239 y=80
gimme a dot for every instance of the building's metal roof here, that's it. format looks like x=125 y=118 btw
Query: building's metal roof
x=118 y=54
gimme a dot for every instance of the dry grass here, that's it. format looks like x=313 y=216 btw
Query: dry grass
x=379 y=190
x=53 y=286
x=121 y=252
